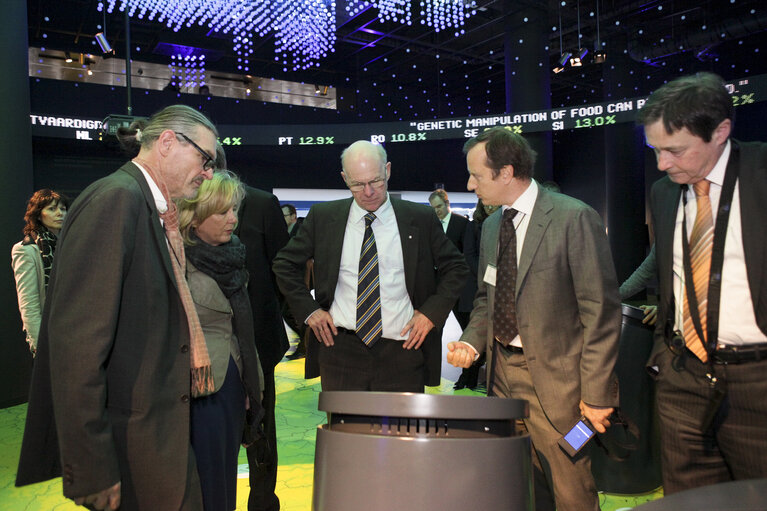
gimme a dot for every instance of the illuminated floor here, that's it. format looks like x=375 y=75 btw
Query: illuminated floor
x=297 y=419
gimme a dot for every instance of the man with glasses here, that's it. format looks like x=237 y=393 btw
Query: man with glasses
x=291 y=219
x=120 y=353
x=386 y=278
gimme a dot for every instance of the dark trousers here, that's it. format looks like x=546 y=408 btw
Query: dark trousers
x=735 y=447
x=262 y=455
x=556 y=476
x=216 y=431
x=386 y=366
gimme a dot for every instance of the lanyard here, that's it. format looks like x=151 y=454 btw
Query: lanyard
x=717 y=255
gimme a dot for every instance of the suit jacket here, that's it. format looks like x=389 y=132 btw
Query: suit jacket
x=113 y=359
x=456 y=228
x=434 y=270
x=664 y=204
x=568 y=309
x=456 y=232
x=30 y=287
x=262 y=229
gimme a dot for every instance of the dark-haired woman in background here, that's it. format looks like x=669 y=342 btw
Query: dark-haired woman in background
x=32 y=257
x=471 y=237
x=217 y=277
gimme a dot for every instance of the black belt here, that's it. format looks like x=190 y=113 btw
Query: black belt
x=741 y=354
x=346 y=330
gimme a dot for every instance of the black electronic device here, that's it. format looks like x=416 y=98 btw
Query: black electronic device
x=578 y=436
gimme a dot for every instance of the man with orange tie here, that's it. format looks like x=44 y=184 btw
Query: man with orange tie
x=710 y=355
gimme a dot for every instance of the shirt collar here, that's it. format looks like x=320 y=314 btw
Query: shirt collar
x=525 y=202
x=383 y=213
x=716 y=176
x=159 y=201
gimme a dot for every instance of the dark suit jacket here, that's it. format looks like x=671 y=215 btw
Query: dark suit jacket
x=295 y=227
x=262 y=229
x=664 y=204
x=114 y=355
x=456 y=232
x=434 y=270
x=568 y=310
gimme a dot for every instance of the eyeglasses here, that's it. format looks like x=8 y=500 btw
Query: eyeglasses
x=209 y=162
x=375 y=184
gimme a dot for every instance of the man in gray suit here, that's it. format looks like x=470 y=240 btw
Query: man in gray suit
x=550 y=324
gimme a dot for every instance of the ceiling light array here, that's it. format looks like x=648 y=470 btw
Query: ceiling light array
x=438 y=14
x=187 y=71
x=305 y=29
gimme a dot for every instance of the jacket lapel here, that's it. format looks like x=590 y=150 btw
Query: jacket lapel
x=536 y=227
x=408 y=235
x=157 y=228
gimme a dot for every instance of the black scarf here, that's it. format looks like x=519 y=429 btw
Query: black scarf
x=46 y=243
x=226 y=265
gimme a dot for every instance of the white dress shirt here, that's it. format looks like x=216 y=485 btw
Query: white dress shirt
x=396 y=307
x=445 y=222
x=737 y=322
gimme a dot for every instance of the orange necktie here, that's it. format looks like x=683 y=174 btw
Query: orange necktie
x=701 y=243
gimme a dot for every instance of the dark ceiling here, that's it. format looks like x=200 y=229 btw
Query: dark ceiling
x=393 y=71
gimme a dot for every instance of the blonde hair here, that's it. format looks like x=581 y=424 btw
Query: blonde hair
x=214 y=196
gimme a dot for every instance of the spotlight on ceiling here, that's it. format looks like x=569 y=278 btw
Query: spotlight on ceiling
x=577 y=59
x=316 y=89
x=103 y=43
x=600 y=57
x=67 y=57
x=562 y=62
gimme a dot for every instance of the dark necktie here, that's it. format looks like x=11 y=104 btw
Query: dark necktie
x=369 y=326
x=701 y=243
x=505 y=309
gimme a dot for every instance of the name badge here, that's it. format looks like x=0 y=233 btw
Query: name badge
x=490 y=275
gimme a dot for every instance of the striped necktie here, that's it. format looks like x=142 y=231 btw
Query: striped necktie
x=701 y=243
x=369 y=325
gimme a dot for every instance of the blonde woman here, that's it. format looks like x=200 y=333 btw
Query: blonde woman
x=217 y=278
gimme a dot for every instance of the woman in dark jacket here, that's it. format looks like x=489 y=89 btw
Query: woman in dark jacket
x=223 y=419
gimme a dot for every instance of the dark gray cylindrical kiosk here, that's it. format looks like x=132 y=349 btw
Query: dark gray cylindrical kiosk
x=381 y=451
x=639 y=472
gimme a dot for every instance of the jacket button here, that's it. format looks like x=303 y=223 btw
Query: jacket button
x=184 y=348
x=185 y=398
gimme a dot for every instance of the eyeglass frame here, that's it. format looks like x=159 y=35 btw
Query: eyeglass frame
x=375 y=184
x=210 y=162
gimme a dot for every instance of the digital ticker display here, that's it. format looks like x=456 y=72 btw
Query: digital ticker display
x=743 y=92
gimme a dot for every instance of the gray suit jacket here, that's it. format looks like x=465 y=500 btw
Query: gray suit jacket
x=568 y=309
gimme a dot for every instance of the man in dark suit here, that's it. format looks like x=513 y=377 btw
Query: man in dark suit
x=710 y=354
x=117 y=338
x=262 y=233
x=291 y=219
x=547 y=312
x=394 y=343
x=455 y=228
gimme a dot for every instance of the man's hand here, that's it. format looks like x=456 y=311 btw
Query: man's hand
x=650 y=314
x=105 y=499
x=597 y=416
x=418 y=326
x=323 y=327
x=460 y=354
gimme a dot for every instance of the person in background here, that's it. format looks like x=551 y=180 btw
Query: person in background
x=469 y=377
x=386 y=278
x=710 y=353
x=32 y=257
x=217 y=279
x=547 y=313
x=291 y=219
x=639 y=280
x=121 y=353
x=455 y=227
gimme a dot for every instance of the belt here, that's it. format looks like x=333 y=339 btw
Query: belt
x=346 y=330
x=740 y=354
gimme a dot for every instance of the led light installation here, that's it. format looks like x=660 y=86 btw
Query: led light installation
x=438 y=14
x=305 y=29
x=187 y=71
